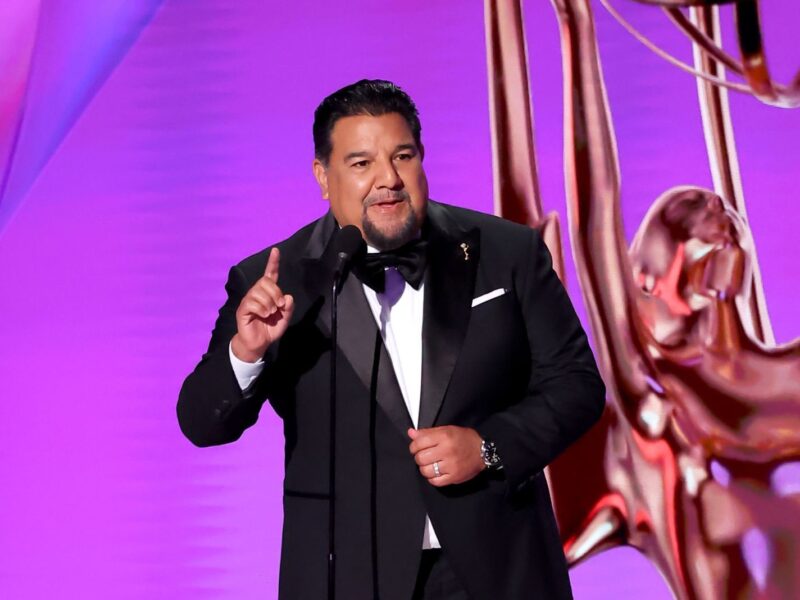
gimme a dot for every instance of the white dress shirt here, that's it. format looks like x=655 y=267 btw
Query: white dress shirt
x=398 y=313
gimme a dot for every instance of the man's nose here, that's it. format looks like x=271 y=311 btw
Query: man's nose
x=388 y=177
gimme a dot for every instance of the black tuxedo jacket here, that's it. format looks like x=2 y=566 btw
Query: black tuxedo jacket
x=516 y=368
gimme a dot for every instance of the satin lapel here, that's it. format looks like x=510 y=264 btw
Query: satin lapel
x=357 y=329
x=453 y=257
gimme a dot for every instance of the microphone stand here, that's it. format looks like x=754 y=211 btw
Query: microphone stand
x=337 y=280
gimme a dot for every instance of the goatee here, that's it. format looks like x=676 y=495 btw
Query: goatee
x=399 y=235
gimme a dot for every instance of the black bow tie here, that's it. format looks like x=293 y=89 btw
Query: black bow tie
x=409 y=260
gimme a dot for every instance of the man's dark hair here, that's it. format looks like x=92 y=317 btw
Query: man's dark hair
x=373 y=97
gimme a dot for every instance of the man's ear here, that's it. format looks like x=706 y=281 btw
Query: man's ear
x=421 y=152
x=321 y=175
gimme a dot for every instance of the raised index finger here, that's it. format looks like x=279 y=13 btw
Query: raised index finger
x=273 y=262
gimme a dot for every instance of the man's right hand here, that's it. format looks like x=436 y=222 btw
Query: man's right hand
x=263 y=314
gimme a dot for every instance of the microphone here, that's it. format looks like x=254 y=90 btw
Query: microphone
x=347 y=244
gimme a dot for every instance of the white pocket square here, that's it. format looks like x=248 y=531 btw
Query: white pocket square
x=490 y=296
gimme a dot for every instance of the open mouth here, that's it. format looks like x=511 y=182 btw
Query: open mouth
x=387 y=204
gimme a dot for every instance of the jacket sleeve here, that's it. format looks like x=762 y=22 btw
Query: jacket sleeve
x=212 y=408
x=565 y=395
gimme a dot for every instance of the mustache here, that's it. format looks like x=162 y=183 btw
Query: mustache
x=386 y=197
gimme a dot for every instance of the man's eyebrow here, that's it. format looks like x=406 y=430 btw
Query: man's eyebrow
x=412 y=147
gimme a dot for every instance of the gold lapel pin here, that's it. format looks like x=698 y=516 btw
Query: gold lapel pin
x=465 y=249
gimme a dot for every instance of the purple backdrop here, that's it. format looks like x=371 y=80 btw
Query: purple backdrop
x=157 y=143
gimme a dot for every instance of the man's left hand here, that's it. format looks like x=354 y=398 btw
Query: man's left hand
x=456 y=449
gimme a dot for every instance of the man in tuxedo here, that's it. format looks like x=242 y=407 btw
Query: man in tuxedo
x=462 y=371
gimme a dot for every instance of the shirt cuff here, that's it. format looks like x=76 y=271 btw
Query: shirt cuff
x=245 y=372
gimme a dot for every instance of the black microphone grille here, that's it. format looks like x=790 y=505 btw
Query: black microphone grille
x=349 y=241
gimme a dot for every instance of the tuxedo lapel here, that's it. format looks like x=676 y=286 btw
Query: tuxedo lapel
x=357 y=331
x=453 y=255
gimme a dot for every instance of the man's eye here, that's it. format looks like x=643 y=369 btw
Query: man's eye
x=404 y=157
x=361 y=163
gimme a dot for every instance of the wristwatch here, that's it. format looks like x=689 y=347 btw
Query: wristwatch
x=489 y=454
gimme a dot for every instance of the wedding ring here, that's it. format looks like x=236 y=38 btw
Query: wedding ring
x=436 y=471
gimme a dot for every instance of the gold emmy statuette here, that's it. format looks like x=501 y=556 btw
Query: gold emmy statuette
x=692 y=461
